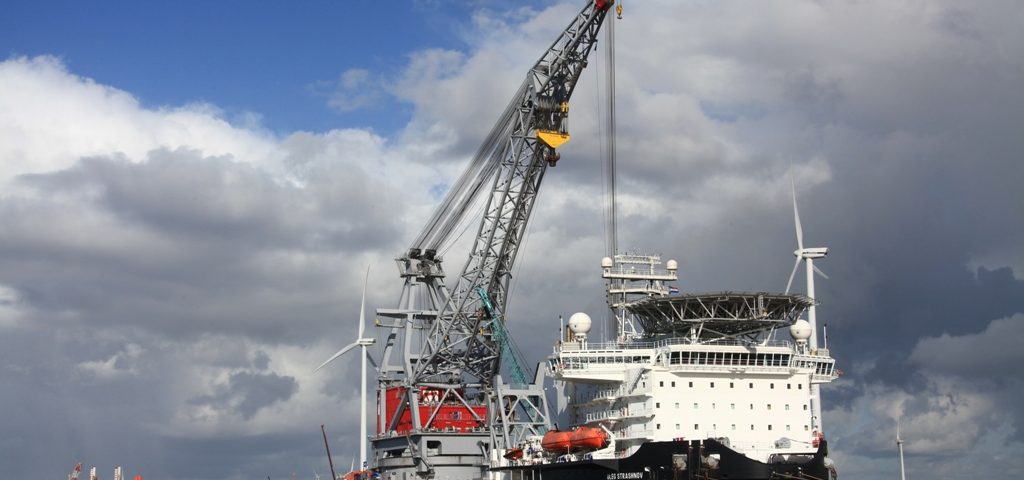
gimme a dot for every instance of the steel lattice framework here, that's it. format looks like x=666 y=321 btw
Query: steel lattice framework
x=719 y=315
x=447 y=338
x=459 y=345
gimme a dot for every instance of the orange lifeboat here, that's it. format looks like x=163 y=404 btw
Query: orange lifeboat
x=556 y=441
x=588 y=438
x=514 y=454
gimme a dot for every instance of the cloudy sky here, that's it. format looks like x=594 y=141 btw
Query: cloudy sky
x=190 y=193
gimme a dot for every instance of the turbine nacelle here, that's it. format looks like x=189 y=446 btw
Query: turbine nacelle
x=816 y=252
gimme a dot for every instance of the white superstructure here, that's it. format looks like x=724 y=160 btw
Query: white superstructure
x=705 y=366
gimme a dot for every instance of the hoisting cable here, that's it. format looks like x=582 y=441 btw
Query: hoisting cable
x=611 y=229
x=611 y=222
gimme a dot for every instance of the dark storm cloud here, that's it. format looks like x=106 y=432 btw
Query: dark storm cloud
x=246 y=393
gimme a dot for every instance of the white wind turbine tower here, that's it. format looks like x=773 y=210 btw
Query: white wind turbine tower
x=363 y=343
x=899 y=444
x=808 y=255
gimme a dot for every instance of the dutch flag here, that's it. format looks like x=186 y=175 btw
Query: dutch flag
x=672 y=290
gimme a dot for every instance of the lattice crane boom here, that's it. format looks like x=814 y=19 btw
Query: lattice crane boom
x=514 y=159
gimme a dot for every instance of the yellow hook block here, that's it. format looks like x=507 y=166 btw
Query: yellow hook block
x=552 y=138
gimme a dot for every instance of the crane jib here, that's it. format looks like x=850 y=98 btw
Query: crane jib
x=450 y=337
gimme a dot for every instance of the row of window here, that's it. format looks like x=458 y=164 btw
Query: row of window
x=714 y=427
x=730 y=358
x=771 y=386
x=732 y=406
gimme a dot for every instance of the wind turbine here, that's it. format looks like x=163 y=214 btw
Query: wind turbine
x=899 y=444
x=807 y=255
x=363 y=343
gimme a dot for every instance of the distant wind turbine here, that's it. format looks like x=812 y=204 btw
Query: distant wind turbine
x=899 y=444
x=363 y=343
x=808 y=255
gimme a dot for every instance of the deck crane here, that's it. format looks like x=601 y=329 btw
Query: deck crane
x=451 y=340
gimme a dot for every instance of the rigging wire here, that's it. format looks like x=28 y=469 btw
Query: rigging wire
x=608 y=155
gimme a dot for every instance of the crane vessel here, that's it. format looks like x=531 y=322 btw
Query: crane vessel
x=693 y=386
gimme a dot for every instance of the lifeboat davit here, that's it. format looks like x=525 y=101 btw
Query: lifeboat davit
x=588 y=438
x=556 y=441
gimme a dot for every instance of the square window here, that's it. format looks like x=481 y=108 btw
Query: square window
x=805 y=428
x=787 y=407
x=712 y=405
x=657 y=405
x=799 y=386
x=677 y=404
x=673 y=384
x=691 y=384
x=694 y=405
x=769 y=406
x=789 y=386
x=658 y=426
x=732 y=406
x=714 y=426
x=771 y=386
x=769 y=427
x=734 y=426
x=661 y=384
x=731 y=385
x=787 y=428
x=696 y=426
x=751 y=406
x=751 y=384
x=805 y=407
x=677 y=426
x=751 y=426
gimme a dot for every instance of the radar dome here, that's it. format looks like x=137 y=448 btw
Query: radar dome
x=672 y=265
x=606 y=262
x=580 y=322
x=800 y=330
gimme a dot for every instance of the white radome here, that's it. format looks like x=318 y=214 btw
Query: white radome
x=672 y=265
x=580 y=322
x=800 y=330
x=606 y=262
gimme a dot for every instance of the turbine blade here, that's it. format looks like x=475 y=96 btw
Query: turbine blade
x=792 y=274
x=796 y=219
x=819 y=272
x=370 y=358
x=336 y=355
x=362 y=304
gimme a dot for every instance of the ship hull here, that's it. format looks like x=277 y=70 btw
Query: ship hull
x=675 y=460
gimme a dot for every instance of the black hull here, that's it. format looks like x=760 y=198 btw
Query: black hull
x=682 y=460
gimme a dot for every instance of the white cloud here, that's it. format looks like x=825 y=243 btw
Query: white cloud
x=996 y=349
